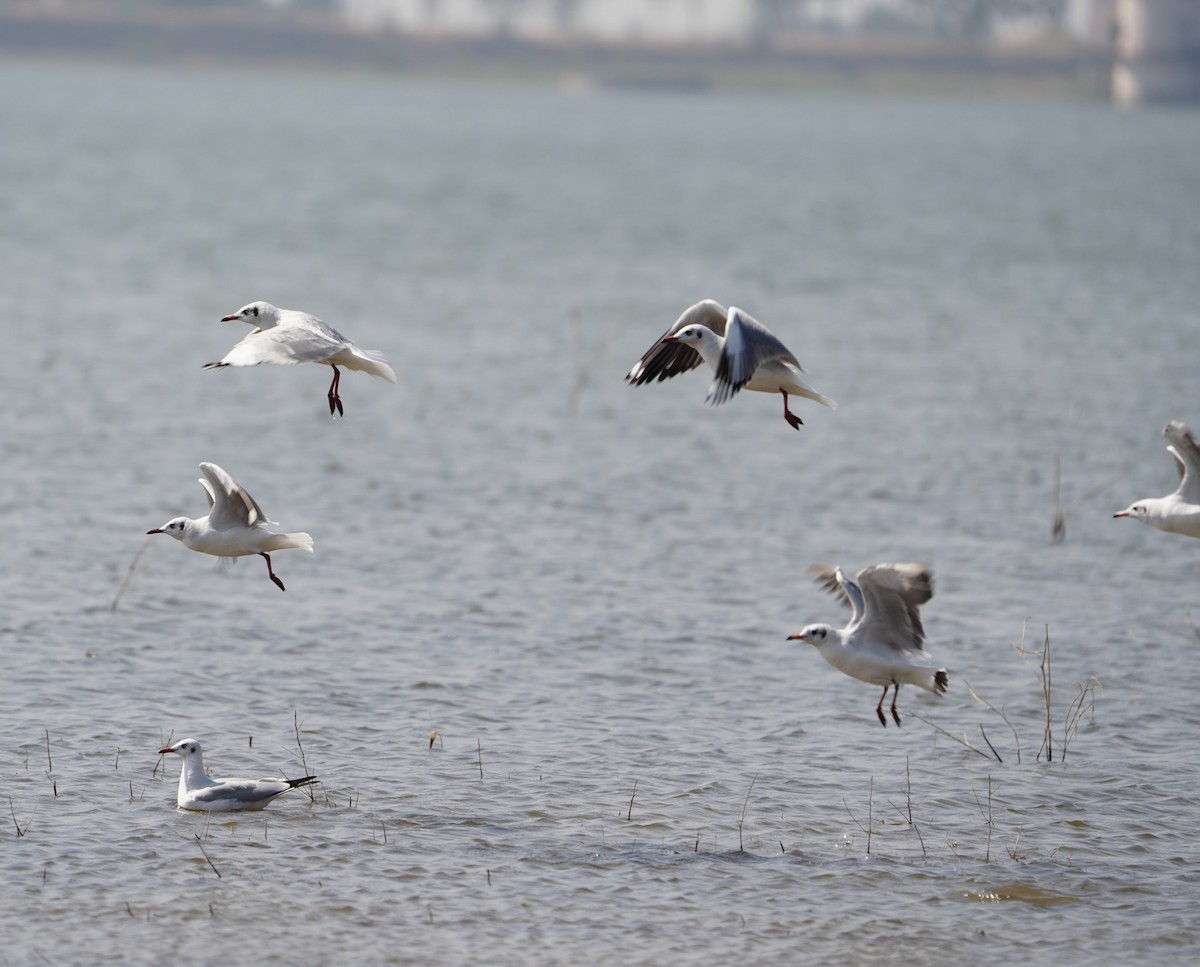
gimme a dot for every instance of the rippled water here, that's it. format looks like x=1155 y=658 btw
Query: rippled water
x=584 y=588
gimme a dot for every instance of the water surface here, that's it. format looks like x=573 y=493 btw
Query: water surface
x=584 y=588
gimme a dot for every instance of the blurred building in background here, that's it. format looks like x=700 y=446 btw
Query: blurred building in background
x=1135 y=50
x=1156 y=48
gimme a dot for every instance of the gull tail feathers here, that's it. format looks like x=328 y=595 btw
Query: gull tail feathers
x=801 y=387
x=374 y=362
x=282 y=542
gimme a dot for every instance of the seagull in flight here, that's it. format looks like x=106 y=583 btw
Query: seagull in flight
x=235 y=525
x=883 y=642
x=1179 y=512
x=198 y=791
x=742 y=352
x=292 y=336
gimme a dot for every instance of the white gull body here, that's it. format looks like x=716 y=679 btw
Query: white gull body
x=197 y=790
x=1177 y=513
x=292 y=336
x=235 y=525
x=883 y=643
x=740 y=350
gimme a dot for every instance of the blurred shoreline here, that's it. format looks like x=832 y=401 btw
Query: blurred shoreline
x=878 y=63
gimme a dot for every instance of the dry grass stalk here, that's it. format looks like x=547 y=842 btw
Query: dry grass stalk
x=204 y=852
x=742 y=817
x=950 y=735
x=303 y=759
x=12 y=809
x=129 y=574
x=629 y=811
x=1048 y=738
x=1084 y=704
x=999 y=711
x=908 y=810
x=870 y=813
x=987 y=818
x=1058 y=526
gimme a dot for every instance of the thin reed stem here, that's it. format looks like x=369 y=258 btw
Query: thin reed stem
x=742 y=818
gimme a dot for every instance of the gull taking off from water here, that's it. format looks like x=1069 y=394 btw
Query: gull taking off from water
x=200 y=792
x=235 y=525
x=291 y=336
x=742 y=352
x=1179 y=512
x=882 y=644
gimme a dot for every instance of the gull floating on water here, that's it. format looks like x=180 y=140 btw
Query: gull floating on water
x=235 y=525
x=742 y=352
x=291 y=336
x=882 y=644
x=1179 y=512
x=197 y=790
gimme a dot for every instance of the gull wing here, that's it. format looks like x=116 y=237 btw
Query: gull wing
x=305 y=343
x=232 y=506
x=748 y=344
x=666 y=359
x=241 y=791
x=893 y=595
x=208 y=492
x=1185 y=451
x=836 y=583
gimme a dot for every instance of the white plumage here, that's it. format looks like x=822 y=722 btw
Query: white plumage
x=742 y=352
x=235 y=525
x=884 y=642
x=198 y=791
x=292 y=336
x=1177 y=513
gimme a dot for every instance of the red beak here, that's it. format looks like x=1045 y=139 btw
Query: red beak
x=165 y=751
x=230 y=318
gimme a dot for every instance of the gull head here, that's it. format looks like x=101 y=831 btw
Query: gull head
x=815 y=635
x=1139 y=511
x=176 y=528
x=261 y=314
x=185 y=748
x=694 y=336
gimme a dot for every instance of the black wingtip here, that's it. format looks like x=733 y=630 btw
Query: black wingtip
x=301 y=782
x=941 y=681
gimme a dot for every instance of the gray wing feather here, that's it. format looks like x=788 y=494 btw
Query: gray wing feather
x=893 y=596
x=232 y=506
x=831 y=579
x=284 y=344
x=748 y=344
x=1184 y=449
x=243 y=790
x=208 y=492
x=666 y=359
